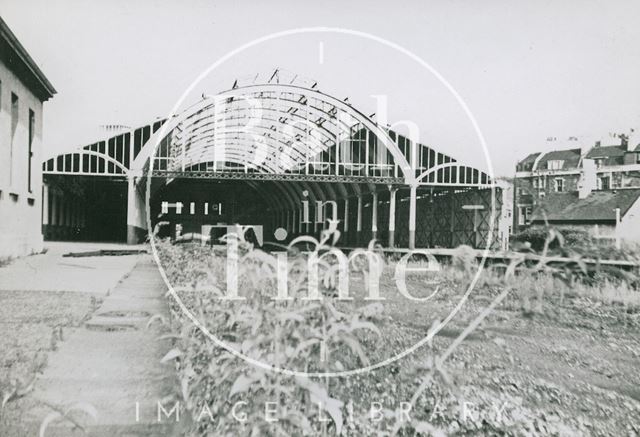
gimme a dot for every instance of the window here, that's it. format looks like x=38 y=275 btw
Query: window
x=14 y=113
x=616 y=181
x=524 y=215
x=604 y=183
x=637 y=158
x=555 y=164
x=14 y=125
x=559 y=185
x=599 y=162
x=539 y=183
x=32 y=127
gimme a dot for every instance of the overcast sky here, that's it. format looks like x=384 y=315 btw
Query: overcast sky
x=527 y=70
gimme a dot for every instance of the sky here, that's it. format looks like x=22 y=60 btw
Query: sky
x=526 y=70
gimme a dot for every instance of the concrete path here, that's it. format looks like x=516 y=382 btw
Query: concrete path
x=53 y=272
x=111 y=365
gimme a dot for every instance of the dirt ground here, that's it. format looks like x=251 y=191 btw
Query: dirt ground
x=33 y=325
x=572 y=368
x=559 y=360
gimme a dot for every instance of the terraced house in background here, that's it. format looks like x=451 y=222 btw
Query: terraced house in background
x=594 y=188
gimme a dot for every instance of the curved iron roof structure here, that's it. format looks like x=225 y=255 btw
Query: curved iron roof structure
x=280 y=128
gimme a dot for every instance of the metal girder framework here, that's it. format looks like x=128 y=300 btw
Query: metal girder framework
x=255 y=176
x=449 y=218
x=283 y=129
x=312 y=134
x=85 y=163
x=111 y=157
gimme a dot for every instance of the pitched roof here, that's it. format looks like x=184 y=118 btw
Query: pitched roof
x=610 y=155
x=570 y=157
x=599 y=206
x=530 y=158
x=606 y=152
x=16 y=58
x=527 y=163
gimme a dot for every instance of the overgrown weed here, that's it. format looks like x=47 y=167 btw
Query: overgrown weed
x=317 y=336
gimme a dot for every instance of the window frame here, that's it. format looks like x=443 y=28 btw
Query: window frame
x=555 y=164
x=32 y=135
x=521 y=216
x=601 y=185
x=14 y=115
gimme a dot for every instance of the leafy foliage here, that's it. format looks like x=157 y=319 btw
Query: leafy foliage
x=299 y=333
x=225 y=395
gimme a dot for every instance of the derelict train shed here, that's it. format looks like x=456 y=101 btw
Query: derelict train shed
x=259 y=154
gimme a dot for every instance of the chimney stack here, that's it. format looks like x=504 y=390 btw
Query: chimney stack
x=588 y=178
x=633 y=140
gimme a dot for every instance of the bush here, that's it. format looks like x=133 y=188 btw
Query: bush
x=291 y=334
x=537 y=235
x=464 y=259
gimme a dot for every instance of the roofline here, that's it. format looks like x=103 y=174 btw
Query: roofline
x=18 y=48
x=541 y=155
x=536 y=161
x=532 y=154
x=573 y=171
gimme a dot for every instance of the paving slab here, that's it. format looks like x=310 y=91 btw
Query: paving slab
x=111 y=363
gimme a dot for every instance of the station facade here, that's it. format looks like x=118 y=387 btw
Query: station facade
x=273 y=153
